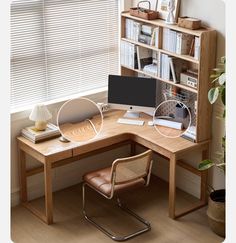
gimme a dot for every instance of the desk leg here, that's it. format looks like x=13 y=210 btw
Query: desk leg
x=172 y=186
x=48 y=192
x=23 y=178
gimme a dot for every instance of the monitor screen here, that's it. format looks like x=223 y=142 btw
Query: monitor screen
x=132 y=91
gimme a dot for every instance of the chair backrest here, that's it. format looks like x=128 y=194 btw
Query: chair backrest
x=131 y=168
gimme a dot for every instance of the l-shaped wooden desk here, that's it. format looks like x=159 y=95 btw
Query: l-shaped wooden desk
x=53 y=153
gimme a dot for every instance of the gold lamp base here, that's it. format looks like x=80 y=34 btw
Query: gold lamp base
x=40 y=125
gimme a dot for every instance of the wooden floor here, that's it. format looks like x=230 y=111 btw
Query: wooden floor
x=150 y=203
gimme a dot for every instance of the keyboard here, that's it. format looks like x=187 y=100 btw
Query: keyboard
x=130 y=122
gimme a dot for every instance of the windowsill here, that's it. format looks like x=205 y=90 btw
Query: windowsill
x=97 y=95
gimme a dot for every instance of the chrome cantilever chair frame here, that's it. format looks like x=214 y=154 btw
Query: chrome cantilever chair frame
x=123 y=207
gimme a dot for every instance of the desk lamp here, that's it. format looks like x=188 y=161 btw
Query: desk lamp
x=40 y=115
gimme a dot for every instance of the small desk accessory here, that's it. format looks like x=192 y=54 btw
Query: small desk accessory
x=144 y=13
x=40 y=115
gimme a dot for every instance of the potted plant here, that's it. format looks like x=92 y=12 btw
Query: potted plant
x=216 y=202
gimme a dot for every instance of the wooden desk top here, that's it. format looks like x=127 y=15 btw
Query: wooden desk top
x=81 y=131
x=112 y=133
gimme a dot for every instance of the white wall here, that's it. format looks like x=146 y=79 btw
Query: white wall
x=212 y=13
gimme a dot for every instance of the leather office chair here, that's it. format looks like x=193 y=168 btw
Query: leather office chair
x=124 y=174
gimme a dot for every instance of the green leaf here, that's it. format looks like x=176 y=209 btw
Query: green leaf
x=205 y=164
x=223 y=95
x=222 y=79
x=213 y=94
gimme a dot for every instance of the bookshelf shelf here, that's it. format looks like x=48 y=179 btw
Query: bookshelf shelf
x=184 y=57
x=163 y=80
x=161 y=23
x=166 y=57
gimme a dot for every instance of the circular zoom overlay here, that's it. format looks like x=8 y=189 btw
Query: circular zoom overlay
x=172 y=118
x=79 y=120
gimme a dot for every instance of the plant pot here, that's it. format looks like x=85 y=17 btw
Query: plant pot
x=216 y=212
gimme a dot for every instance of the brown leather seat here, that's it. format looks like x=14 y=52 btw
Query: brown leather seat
x=101 y=180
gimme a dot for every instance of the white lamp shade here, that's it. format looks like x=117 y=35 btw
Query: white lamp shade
x=40 y=113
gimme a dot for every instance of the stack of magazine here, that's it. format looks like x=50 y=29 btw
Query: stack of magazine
x=36 y=136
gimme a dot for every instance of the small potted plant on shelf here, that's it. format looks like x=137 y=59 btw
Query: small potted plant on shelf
x=216 y=202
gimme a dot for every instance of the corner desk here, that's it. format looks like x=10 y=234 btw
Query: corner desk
x=53 y=153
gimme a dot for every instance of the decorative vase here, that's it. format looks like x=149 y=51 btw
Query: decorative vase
x=216 y=212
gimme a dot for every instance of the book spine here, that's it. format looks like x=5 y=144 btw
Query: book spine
x=164 y=43
x=178 y=43
x=172 y=69
x=197 y=48
x=132 y=27
x=159 y=65
x=127 y=28
x=156 y=32
x=126 y=50
x=122 y=52
x=138 y=57
x=137 y=30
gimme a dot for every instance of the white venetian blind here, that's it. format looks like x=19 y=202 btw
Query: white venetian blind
x=61 y=47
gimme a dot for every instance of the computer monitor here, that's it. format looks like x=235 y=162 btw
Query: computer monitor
x=134 y=94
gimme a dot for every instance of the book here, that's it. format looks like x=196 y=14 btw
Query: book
x=35 y=136
x=165 y=43
x=165 y=67
x=132 y=29
x=172 y=68
x=191 y=51
x=183 y=43
x=197 y=48
x=155 y=37
x=136 y=30
x=128 y=56
x=169 y=40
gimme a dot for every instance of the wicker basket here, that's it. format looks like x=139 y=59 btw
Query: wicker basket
x=143 y=13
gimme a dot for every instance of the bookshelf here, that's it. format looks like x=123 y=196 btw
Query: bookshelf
x=200 y=57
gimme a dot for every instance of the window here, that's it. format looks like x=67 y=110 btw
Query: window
x=61 y=47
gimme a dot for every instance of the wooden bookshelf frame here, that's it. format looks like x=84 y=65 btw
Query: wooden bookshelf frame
x=205 y=65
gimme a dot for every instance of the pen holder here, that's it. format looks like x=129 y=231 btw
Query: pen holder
x=181 y=111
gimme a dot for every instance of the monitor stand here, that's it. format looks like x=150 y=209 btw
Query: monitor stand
x=132 y=114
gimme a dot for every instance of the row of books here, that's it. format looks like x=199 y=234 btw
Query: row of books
x=151 y=62
x=173 y=41
x=36 y=136
x=143 y=33
x=128 y=54
x=181 y=43
x=171 y=67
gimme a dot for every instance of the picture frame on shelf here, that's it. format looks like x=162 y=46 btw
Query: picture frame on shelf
x=162 y=8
